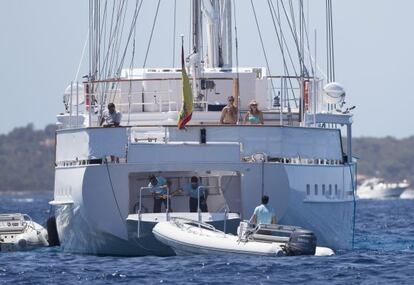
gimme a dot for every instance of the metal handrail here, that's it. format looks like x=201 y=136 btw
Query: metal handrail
x=139 y=210
x=200 y=224
x=199 y=210
x=167 y=208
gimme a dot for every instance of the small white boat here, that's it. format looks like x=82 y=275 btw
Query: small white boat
x=187 y=237
x=376 y=188
x=19 y=232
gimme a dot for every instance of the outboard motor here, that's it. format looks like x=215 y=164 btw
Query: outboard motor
x=301 y=242
x=53 y=237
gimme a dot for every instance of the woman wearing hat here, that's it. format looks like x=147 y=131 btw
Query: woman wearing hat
x=253 y=116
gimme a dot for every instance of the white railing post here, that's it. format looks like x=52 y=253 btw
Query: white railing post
x=91 y=92
x=70 y=104
x=167 y=208
x=139 y=211
x=77 y=104
x=198 y=203
x=225 y=220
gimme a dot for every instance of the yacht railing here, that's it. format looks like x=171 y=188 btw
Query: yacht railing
x=140 y=210
x=199 y=208
x=285 y=95
x=167 y=208
x=288 y=95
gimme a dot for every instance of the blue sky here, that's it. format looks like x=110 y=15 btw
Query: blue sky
x=42 y=41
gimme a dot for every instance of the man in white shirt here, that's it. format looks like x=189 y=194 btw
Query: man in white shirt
x=263 y=214
x=110 y=117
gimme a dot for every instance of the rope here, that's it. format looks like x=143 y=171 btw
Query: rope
x=152 y=32
x=112 y=188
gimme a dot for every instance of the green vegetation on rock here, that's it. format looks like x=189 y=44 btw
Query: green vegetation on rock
x=27 y=159
x=387 y=157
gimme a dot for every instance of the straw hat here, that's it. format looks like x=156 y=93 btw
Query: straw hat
x=253 y=102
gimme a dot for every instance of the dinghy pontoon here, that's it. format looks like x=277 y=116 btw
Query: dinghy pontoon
x=188 y=237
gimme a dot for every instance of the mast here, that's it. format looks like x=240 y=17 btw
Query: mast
x=226 y=34
x=219 y=35
x=196 y=26
x=211 y=9
x=195 y=57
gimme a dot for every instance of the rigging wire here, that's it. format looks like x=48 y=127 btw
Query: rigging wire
x=306 y=38
x=82 y=56
x=118 y=40
x=236 y=42
x=291 y=20
x=332 y=41
x=282 y=36
x=152 y=32
x=174 y=31
x=130 y=34
x=109 y=42
x=282 y=42
x=330 y=60
x=262 y=44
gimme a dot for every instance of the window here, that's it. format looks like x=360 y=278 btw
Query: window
x=316 y=189
x=308 y=189
x=330 y=189
x=336 y=189
x=323 y=189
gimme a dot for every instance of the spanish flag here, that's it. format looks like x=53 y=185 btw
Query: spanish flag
x=187 y=99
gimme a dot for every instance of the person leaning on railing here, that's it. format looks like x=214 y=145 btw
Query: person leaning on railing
x=110 y=117
x=229 y=113
x=254 y=116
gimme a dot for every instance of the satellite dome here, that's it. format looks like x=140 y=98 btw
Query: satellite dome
x=334 y=93
x=71 y=89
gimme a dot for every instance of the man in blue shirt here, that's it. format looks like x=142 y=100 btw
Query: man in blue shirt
x=263 y=214
x=158 y=187
x=191 y=189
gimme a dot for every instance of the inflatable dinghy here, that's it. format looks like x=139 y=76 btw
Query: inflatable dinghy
x=187 y=237
x=20 y=232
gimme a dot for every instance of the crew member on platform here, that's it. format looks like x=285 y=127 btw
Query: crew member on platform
x=263 y=214
x=158 y=186
x=191 y=189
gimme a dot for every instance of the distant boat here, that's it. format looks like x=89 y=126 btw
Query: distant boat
x=377 y=188
x=18 y=232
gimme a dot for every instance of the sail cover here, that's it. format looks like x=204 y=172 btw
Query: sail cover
x=187 y=99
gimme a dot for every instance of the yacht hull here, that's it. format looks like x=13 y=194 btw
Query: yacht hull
x=96 y=222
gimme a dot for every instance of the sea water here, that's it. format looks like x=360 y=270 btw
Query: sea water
x=383 y=254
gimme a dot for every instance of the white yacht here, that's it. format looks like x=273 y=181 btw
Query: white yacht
x=102 y=202
x=377 y=188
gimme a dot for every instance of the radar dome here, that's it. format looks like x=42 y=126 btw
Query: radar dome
x=334 y=93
